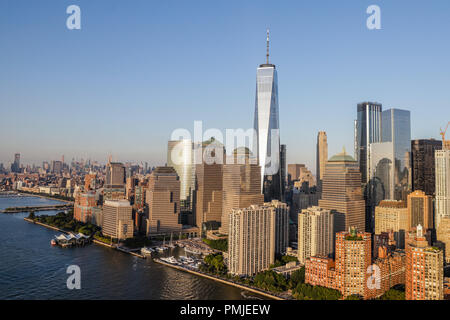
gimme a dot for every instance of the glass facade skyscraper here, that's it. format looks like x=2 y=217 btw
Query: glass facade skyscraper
x=267 y=129
x=389 y=161
x=180 y=156
x=367 y=131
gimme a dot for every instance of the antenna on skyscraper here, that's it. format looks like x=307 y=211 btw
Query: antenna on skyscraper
x=267 y=54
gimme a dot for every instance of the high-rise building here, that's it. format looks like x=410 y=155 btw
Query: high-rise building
x=423 y=164
x=341 y=192
x=442 y=158
x=251 y=241
x=367 y=131
x=283 y=170
x=392 y=216
x=267 y=129
x=281 y=212
x=209 y=185
x=424 y=270
x=114 y=188
x=353 y=257
x=15 y=166
x=389 y=162
x=115 y=174
x=163 y=200
x=180 y=156
x=84 y=206
x=442 y=212
x=241 y=186
x=420 y=210
x=315 y=233
x=117 y=219
x=321 y=157
x=57 y=167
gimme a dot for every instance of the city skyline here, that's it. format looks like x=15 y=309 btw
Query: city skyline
x=308 y=84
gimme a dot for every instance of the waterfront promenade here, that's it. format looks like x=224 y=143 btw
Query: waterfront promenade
x=218 y=279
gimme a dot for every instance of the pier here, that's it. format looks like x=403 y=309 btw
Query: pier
x=38 y=208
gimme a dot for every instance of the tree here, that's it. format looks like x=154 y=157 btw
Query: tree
x=297 y=277
x=31 y=215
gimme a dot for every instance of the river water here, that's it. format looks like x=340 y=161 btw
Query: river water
x=32 y=269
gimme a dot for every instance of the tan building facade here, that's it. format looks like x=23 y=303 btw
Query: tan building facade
x=251 y=241
x=341 y=191
x=321 y=157
x=163 y=201
x=315 y=233
x=420 y=209
x=241 y=188
x=117 y=219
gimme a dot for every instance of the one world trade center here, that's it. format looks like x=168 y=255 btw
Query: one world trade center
x=267 y=129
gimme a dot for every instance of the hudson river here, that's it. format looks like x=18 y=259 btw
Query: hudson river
x=32 y=269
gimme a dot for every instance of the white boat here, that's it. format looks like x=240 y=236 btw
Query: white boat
x=171 y=260
x=190 y=250
x=146 y=251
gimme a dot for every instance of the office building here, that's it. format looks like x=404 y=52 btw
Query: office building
x=57 y=167
x=341 y=192
x=163 y=201
x=114 y=187
x=389 y=162
x=283 y=171
x=241 y=186
x=180 y=156
x=209 y=186
x=424 y=270
x=115 y=174
x=367 y=131
x=423 y=164
x=15 y=166
x=392 y=216
x=267 y=129
x=420 y=210
x=117 y=219
x=315 y=233
x=321 y=157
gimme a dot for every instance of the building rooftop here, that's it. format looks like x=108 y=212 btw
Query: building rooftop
x=342 y=157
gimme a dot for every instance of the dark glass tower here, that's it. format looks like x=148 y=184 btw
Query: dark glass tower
x=423 y=164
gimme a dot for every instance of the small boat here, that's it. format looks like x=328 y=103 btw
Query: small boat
x=53 y=242
x=146 y=251
x=190 y=250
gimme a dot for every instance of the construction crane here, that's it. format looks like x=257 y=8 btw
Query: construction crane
x=445 y=143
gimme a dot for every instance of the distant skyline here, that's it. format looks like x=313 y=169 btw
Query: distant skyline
x=137 y=71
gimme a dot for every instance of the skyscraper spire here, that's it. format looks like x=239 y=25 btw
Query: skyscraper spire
x=267 y=54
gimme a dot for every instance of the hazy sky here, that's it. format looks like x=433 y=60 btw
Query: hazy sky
x=137 y=70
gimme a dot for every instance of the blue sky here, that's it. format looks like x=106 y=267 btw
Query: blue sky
x=139 y=69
